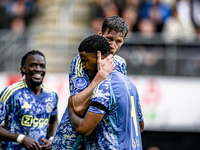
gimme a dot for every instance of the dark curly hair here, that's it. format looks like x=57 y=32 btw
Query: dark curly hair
x=116 y=23
x=23 y=61
x=95 y=43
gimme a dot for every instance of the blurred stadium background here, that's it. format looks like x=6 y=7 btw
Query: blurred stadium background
x=162 y=51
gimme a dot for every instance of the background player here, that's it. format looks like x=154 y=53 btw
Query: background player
x=29 y=108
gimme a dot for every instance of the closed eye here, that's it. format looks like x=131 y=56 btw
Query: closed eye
x=109 y=39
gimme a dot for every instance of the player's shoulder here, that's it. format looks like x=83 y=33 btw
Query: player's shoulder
x=105 y=83
x=115 y=75
x=48 y=88
x=16 y=85
x=76 y=62
x=76 y=58
x=119 y=58
x=8 y=91
x=76 y=68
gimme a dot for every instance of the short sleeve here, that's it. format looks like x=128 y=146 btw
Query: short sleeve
x=101 y=95
x=55 y=110
x=120 y=64
x=78 y=79
x=2 y=112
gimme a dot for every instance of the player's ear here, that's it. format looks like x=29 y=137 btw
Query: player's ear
x=24 y=68
x=100 y=32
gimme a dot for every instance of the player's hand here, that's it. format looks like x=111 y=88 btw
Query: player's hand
x=31 y=144
x=47 y=144
x=105 y=66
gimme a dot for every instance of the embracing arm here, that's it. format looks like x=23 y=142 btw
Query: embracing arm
x=84 y=125
x=81 y=101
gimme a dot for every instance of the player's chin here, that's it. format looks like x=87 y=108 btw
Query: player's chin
x=112 y=52
x=37 y=82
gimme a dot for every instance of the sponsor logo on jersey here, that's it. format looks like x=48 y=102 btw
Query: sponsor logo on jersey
x=80 y=83
x=29 y=120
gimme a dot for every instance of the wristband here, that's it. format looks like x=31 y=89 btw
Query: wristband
x=51 y=138
x=20 y=138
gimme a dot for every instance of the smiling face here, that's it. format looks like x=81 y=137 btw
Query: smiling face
x=89 y=63
x=114 y=39
x=34 y=69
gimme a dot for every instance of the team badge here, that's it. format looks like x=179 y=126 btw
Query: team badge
x=49 y=107
x=80 y=83
x=2 y=109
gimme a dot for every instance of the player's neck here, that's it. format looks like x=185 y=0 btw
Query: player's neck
x=36 y=88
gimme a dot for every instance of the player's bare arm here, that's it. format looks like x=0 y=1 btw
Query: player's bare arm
x=26 y=142
x=86 y=125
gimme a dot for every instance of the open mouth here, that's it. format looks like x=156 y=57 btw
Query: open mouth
x=37 y=76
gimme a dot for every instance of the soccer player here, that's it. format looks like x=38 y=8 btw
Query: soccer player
x=114 y=105
x=29 y=108
x=114 y=29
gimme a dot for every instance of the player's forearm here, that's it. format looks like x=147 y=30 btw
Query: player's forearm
x=5 y=135
x=81 y=101
x=86 y=125
x=53 y=124
x=74 y=119
x=79 y=123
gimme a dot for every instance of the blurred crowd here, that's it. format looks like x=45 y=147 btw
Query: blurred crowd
x=167 y=21
x=17 y=14
x=177 y=20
